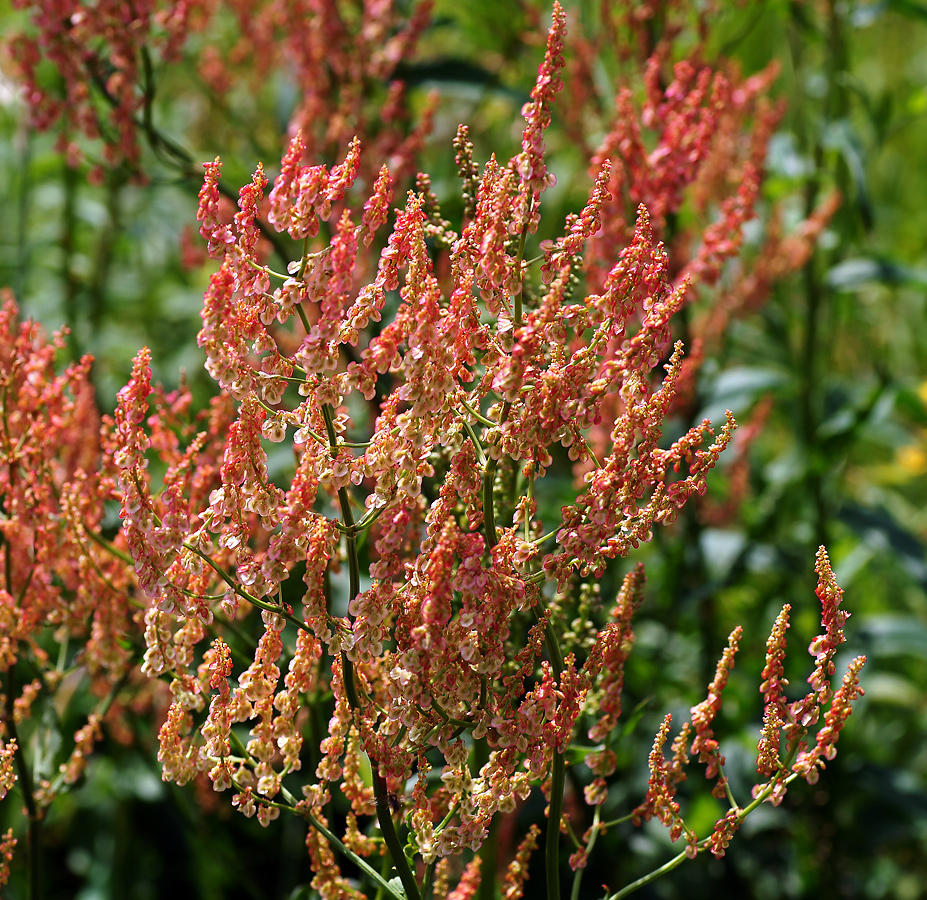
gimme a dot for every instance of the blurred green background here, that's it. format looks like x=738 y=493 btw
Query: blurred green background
x=838 y=350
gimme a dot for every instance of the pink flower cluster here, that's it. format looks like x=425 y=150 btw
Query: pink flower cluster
x=101 y=54
x=426 y=404
x=427 y=398
x=63 y=585
x=106 y=56
x=781 y=719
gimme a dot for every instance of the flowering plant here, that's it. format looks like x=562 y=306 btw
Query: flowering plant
x=426 y=400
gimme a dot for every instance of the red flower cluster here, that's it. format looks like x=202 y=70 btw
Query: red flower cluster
x=105 y=56
x=780 y=718
x=63 y=585
x=477 y=378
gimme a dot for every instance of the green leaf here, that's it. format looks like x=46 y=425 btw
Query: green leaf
x=892 y=635
x=396 y=887
x=880 y=528
x=908 y=8
x=852 y=274
x=738 y=389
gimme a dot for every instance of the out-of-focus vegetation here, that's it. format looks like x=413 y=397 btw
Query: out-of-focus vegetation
x=835 y=359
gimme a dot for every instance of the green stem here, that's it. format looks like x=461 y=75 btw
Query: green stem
x=727 y=785
x=171 y=153
x=427 y=883
x=365 y=523
x=294 y=807
x=384 y=872
x=477 y=447
x=238 y=589
x=701 y=845
x=101 y=711
x=361 y=863
x=489 y=470
x=654 y=875
x=350 y=540
x=303 y=317
x=489 y=516
x=557 y=781
x=182 y=159
x=593 y=836
x=476 y=414
x=489 y=477
x=528 y=509
x=552 y=844
x=256 y=265
x=384 y=813
x=24 y=778
x=519 y=257
x=390 y=837
x=489 y=851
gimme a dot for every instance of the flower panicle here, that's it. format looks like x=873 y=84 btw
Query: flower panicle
x=424 y=398
x=7 y=845
x=705 y=744
x=660 y=801
x=772 y=688
x=529 y=164
x=7 y=766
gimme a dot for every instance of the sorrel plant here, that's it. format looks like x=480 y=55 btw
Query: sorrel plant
x=405 y=579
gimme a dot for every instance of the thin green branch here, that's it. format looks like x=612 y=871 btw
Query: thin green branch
x=108 y=547
x=611 y=823
x=519 y=257
x=303 y=317
x=100 y=573
x=369 y=518
x=238 y=589
x=489 y=478
x=384 y=813
x=256 y=265
x=390 y=837
x=552 y=844
x=24 y=779
x=655 y=874
x=359 y=861
x=476 y=414
x=171 y=153
x=557 y=780
x=101 y=711
x=477 y=446
x=304 y=260
x=727 y=786
x=593 y=837
x=702 y=844
x=300 y=810
x=528 y=508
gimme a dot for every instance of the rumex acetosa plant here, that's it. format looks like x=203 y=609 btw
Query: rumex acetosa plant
x=414 y=402
x=93 y=71
x=425 y=405
x=68 y=610
x=71 y=613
